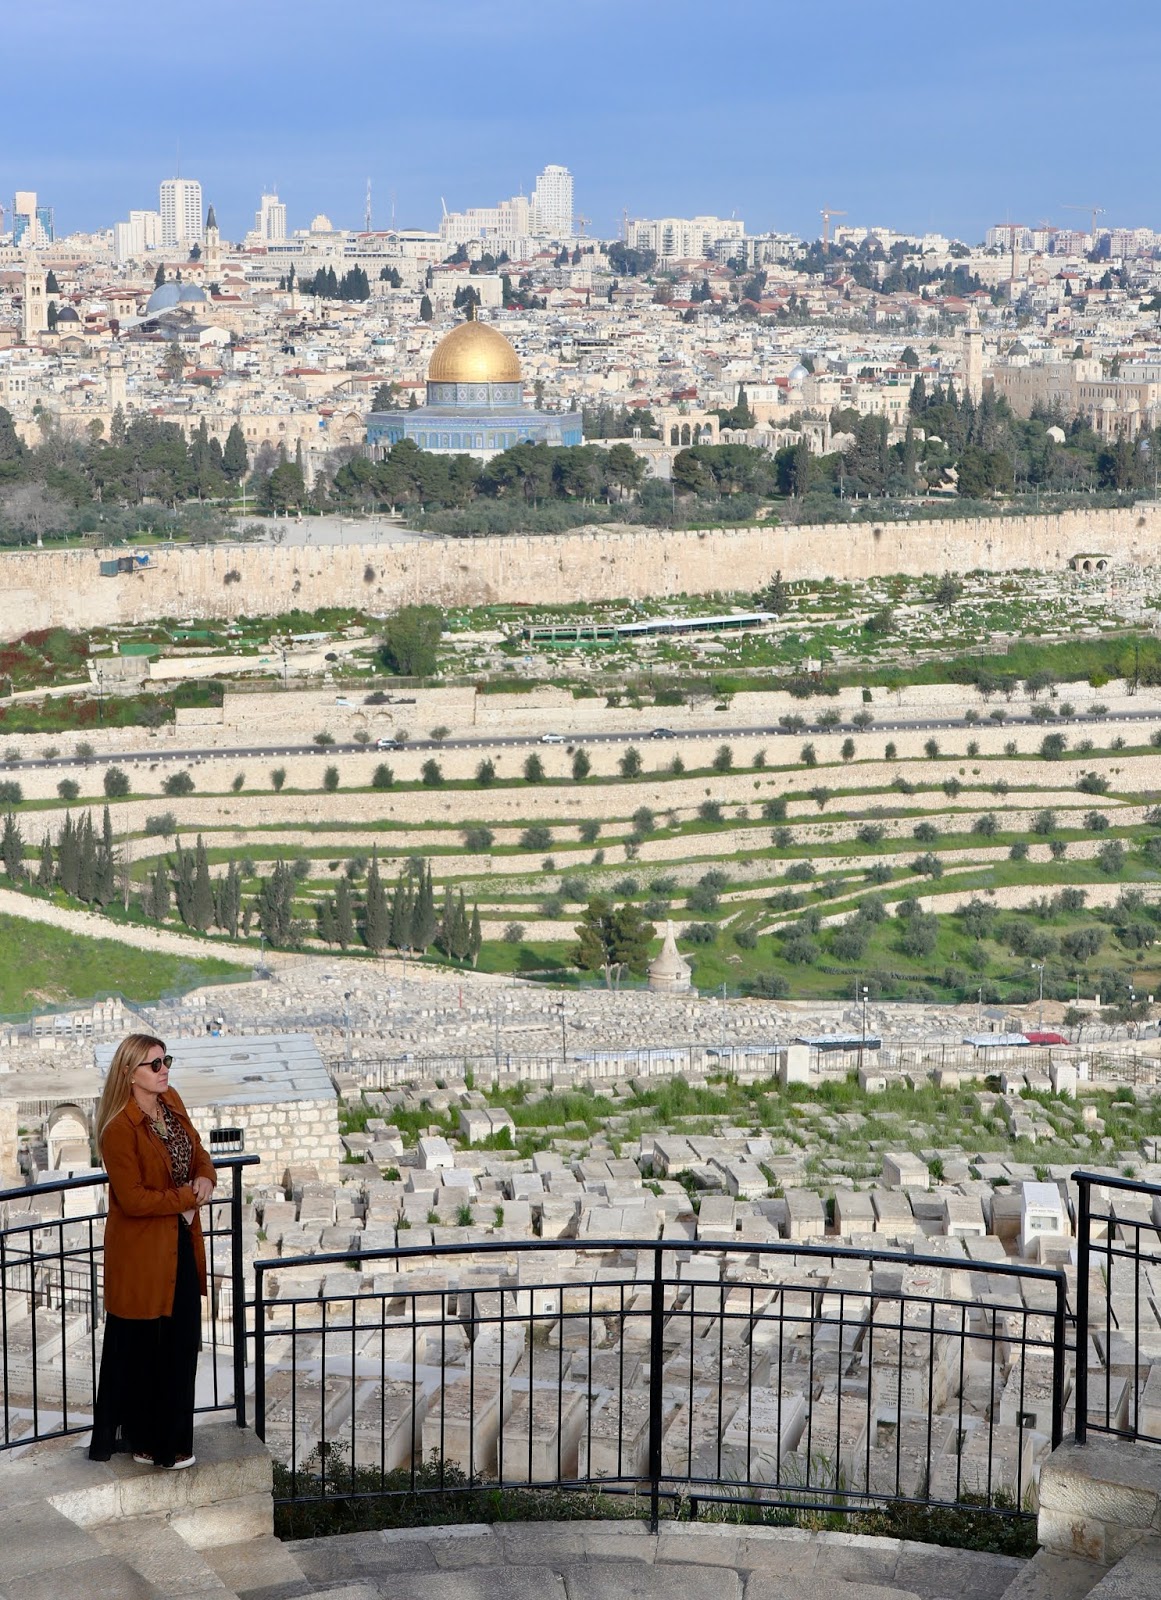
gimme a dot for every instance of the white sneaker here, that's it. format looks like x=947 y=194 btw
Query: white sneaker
x=180 y=1464
x=141 y=1459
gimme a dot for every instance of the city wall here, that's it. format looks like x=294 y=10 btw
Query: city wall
x=46 y=588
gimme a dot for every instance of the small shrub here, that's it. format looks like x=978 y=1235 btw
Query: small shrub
x=85 y=752
x=383 y=777
x=238 y=782
x=701 y=933
x=890 y=750
x=1096 y=821
x=746 y=938
x=589 y=830
x=644 y=820
x=1111 y=857
x=627 y=887
x=848 y=750
x=513 y=932
x=931 y=749
x=862 y=719
x=330 y=780
x=116 y=782
x=178 y=783
x=324 y=739
x=477 y=840
x=1093 y=783
x=161 y=825
x=809 y=756
x=1053 y=746
x=440 y=734
x=759 y=760
x=277 y=778
x=925 y=832
x=676 y=767
x=820 y=794
x=630 y=763
x=1019 y=851
x=534 y=769
x=774 y=810
x=537 y=837
x=486 y=774
x=710 y=811
x=724 y=758
x=800 y=872
x=581 y=765
x=431 y=774
x=870 y=833
x=69 y=789
x=986 y=825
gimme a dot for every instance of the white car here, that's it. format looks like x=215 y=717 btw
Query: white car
x=553 y=738
x=386 y=744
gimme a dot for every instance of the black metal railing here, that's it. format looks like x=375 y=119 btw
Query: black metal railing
x=1118 y=1238
x=773 y=1374
x=51 y=1303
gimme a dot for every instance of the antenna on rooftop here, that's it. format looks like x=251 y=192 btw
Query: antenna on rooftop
x=367 y=210
x=393 y=210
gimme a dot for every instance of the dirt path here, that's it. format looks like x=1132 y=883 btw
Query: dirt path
x=159 y=940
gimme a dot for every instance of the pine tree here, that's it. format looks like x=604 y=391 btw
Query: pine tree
x=117 y=428
x=12 y=848
x=475 y=937
x=46 y=873
x=376 y=917
x=202 y=904
x=344 y=915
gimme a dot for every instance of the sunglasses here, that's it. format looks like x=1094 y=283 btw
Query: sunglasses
x=159 y=1062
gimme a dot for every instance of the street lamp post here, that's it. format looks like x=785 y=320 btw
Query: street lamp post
x=980 y=1009
x=722 y=1030
x=863 y=1045
x=563 y=1036
x=1039 y=967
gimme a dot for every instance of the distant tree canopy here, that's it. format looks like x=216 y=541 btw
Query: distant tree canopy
x=410 y=641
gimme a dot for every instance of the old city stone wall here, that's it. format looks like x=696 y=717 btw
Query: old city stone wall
x=45 y=588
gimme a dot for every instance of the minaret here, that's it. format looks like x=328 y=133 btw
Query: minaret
x=213 y=249
x=973 y=357
x=35 y=302
x=115 y=379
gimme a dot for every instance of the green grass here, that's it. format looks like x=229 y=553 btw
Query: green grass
x=43 y=966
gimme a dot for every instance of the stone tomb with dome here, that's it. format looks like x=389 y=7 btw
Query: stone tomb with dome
x=475 y=403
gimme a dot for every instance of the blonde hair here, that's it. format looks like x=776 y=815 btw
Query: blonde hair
x=127 y=1057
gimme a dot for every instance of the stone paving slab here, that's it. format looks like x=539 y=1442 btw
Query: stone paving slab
x=1053 y=1577
x=96 y=1578
x=637 y=1580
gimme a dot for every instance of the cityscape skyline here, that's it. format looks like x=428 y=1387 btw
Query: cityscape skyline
x=479 y=104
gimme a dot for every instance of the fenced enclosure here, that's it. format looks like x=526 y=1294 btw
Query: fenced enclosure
x=52 y=1310
x=1118 y=1301
x=762 y=1374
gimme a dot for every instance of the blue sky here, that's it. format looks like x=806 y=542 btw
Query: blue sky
x=916 y=115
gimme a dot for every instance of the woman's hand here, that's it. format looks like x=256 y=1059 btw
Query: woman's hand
x=203 y=1190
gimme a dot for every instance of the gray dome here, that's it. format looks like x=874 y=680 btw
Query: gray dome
x=67 y=314
x=173 y=294
x=798 y=372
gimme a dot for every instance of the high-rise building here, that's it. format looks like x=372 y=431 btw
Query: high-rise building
x=32 y=224
x=552 y=204
x=181 y=212
x=132 y=239
x=686 y=238
x=270 y=219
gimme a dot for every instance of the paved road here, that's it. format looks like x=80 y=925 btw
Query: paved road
x=637 y=736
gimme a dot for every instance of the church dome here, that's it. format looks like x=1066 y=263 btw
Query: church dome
x=168 y=295
x=474 y=353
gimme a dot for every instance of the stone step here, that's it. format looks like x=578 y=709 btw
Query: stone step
x=1054 y=1577
x=152 y=1548
x=43 y=1553
x=1136 y=1576
x=260 y=1569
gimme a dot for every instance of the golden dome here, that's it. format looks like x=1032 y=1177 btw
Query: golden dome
x=474 y=353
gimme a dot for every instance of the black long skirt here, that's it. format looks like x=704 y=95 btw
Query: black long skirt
x=145 y=1395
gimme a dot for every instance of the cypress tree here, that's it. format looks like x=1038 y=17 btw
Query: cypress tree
x=460 y=929
x=183 y=884
x=235 y=457
x=159 y=896
x=376 y=918
x=424 y=921
x=324 y=915
x=402 y=915
x=202 y=905
x=344 y=915
x=86 y=861
x=46 y=874
x=12 y=848
x=68 y=856
x=105 y=875
x=475 y=937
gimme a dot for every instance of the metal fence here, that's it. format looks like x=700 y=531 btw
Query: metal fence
x=773 y=1374
x=52 y=1304
x=1118 y=1243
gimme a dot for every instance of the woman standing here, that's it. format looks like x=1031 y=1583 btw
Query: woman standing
x=155 y=1260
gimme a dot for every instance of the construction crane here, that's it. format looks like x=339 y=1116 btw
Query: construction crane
x=1096 y=211
x=582 y=223
x=827 y=213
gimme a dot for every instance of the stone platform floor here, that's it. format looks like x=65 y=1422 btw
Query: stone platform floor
x=624 y=1561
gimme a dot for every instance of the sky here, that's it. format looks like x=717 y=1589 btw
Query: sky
x=902 y=113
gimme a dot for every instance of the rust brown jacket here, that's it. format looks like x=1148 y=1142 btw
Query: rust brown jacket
x=141 y=1229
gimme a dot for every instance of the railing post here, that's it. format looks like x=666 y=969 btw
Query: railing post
x=1058 y=1353
x=238 y=1300
x=1080 y=1388
x=259 y=1356
x=656 y=1329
